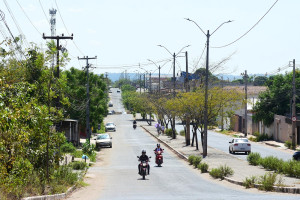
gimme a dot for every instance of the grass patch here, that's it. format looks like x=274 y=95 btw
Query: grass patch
x=182 y=133
x=267 y=181
x=221 y=172
x=203 y=167
x=250 y=182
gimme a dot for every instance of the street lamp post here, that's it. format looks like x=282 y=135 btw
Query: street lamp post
x=174 y=83
x=206 y=82
x=159 y=68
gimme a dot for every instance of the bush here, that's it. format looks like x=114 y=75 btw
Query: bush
x=271 y=163
x=203 y=167
x=88 y=148
x=77 y=154
x=221 y=172
x=191 y=159
x=267 y=181
x=292 y=168
x=254 y=158
x=260 y=137
x=197 y=161
x=67 y=148
x=182 y=133
x=169 y=132
x=77 y=165
x=249 y=182
x=215 y=172
x=64 y=175
x=288 y=144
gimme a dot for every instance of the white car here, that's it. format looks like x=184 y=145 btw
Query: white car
x=103 y=140
x=110 y=126
x=240 y=145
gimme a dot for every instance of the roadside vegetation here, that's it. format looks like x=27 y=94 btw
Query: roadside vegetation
x=221 y=172
x=33 y=102
x=290 y=168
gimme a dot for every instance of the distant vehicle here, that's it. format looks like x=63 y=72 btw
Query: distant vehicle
x=110 y=104
x=110 y=91
x=296 y=155
x=239 y=145
x=118 y=91
x=110 y=113
x=103 y=140
x=110 y=126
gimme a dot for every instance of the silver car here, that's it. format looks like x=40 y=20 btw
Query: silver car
x=103 y=140
x=110 y=126
x=240 y=145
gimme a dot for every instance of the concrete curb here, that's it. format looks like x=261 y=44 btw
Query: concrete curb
x=292 y=190
x=55 y=196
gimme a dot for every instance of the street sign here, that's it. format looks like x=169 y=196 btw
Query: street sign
x=294 y=119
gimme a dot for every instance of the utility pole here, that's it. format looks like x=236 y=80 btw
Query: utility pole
x=174 y=85
x=57 y=38
x=144 y=82
x=294 y=117
x=222 y=109
x=187 y=89
x=106 y=76
x=246 y=82
x=150 y=84
x=88 y=131
x=159 y=80
x=140 y=83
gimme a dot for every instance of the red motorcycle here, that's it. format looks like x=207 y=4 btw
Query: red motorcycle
x=158 y=157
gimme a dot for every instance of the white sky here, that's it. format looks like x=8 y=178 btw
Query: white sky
x=127 y=32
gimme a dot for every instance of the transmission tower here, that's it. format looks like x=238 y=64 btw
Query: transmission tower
x=52 y=12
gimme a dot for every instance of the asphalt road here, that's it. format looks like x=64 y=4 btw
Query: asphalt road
x=174 y=180
x=221 y=142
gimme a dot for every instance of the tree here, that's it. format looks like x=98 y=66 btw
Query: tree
x=260 y=80
x=276 y=99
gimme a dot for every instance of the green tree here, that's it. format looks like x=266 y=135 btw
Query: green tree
x=276 y=99
x=260 y=80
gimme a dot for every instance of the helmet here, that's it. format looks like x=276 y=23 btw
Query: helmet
x=144 y=152
x=158 y=145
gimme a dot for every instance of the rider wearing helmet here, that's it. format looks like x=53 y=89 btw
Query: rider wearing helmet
x=158 y=148
x=144 y=157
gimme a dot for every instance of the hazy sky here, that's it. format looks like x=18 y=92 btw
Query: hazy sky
x=127 y=32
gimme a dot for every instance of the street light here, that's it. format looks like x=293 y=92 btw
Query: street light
x=159 y=67
x=174 y=57
x=174 y=83
x=206 y=81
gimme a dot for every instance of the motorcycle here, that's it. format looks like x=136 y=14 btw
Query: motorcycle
x=134 y=126
x=143 y=168
x=158 y=158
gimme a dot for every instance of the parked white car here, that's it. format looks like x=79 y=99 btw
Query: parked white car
x=239 y=145
x=110 y=126
x=103 y=140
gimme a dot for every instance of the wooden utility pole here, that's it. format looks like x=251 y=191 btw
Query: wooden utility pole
x=174 y=86
x=88 y=130
x=294 y=117
x=57 y=38
x=187 y=89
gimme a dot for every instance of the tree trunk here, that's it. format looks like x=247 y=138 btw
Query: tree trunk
x=187 y=132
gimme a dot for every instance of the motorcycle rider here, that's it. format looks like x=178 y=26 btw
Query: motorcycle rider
x=144 y=157
x=134 y=124
x=158 y=148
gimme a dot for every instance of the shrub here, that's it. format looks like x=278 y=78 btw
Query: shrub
x=271 y=163
x=77 y=154
x=254 y=158
x=182 y=133
x=288 y=144
x=203 y=167
x=226 y=171
x=249 y=182
x=191 y=159
x=64 y=175
x=197 y=161
x=215 y=172
x=169 y=132
x=291 y=168
x=67 y=148
x=267 y=181
x=221 y=172
x=88 y=148
x=261 y=137
x=77 y=165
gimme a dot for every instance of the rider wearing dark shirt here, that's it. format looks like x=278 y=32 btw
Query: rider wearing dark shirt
x=144 y=157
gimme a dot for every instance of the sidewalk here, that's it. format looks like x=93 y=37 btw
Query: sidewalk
x=216 y=158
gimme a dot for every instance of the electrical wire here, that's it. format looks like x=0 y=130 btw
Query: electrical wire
x=249 y=29
x=16 y=23
x=67 y=28
x=28 y=18
x=44 y=12
x=195 y=68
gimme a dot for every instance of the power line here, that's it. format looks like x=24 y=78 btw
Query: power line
x=44 y=11
x=28 y=18
x=66 y=28
x=249 y=29
x=199 y=58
